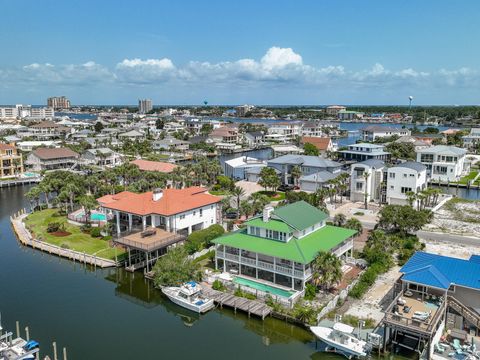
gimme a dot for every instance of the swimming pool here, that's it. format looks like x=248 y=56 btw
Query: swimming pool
x=263 y=287
x=94 y=216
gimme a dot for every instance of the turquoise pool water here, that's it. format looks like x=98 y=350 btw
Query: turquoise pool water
x=263 y=287
x=94 y=216
x=30 y=174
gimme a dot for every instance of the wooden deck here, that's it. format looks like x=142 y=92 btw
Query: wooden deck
x=254 y=307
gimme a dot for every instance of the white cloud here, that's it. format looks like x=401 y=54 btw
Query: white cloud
x=278 y=67
x=139 y=71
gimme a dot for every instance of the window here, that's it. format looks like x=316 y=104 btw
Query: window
x=412 y=175
x=391 y=175
x=392 y=187
x=359 y=186
x=201 y=212
x=194 y=212
x=405 y=189
x=257 y=231
x=182 y=217
x=426 y=157
x=404 y=175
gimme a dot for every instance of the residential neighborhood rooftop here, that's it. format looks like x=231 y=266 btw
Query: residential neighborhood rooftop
x=146 y=165
x=54 y=153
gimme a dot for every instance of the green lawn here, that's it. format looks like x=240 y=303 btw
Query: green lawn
x=274 y=195
x=38 y=221
x=469 y=177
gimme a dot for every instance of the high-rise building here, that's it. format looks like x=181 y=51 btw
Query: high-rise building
x=58 y=102
x=144 y=106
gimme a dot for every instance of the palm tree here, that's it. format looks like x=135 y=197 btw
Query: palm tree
x=89 y=203
x=327 y=270
x=33 y=196
x=259 y=201
x=71 y=189
x=411 y=197
x=296 y=173
x=366 y=175
x=354 y=224
x=245 y=208
x=238 y=192
x=339 y=219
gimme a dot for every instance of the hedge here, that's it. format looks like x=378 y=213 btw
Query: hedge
x=200 y=239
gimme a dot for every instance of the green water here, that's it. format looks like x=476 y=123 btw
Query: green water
x=111 y=314
x=263 y=287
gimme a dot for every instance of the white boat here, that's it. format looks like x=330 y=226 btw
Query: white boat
x=341 y=339
x=189 y=296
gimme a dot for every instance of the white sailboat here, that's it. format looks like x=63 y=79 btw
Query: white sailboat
x=189 y=296
x=341 y=339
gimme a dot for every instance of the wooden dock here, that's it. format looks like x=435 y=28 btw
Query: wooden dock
x=15 y=182
x=254 y=307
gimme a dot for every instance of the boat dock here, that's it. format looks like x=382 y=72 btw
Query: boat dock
x=15 y=182
x=254 y=307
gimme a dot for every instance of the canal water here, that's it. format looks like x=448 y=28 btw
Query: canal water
x=111 y=314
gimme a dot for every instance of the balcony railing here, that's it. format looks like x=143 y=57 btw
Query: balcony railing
x=248 y=261
x=265 y=265
x=231 y=257
x=283 y=270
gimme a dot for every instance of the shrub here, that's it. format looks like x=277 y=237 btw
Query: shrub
x=107 y=238
x=65 y=246
x=86 y=228
x=200 y=239
x=96 y=232
x=53 y=227
x=218 y=285
x=310 y=291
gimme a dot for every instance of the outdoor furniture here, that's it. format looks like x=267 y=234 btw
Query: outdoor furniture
x=406 y=309
x=408 y=293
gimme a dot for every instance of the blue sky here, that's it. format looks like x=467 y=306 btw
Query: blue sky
x=232 y=52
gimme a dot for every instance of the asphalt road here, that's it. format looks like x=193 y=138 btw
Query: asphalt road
x=439 y=237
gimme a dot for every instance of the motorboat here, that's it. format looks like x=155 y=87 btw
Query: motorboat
x=189 y=296
x=340 y=339
x=18 y=349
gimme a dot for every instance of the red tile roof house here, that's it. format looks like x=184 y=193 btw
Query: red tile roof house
x=174 y=210
x=146 y=165
x=323 y=144
x=148 y=224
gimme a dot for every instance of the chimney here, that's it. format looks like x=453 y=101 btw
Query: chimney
x=157 y=194
x=267 y=210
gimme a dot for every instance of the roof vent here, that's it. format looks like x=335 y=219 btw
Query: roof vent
x=267 y=210
x=157 y=194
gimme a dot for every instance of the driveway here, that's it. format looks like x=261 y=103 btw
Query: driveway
x=249 y=187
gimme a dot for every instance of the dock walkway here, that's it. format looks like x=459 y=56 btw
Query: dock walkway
x=25 y=238
x=254 y=307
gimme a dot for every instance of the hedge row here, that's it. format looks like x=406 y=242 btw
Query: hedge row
x=200 y=239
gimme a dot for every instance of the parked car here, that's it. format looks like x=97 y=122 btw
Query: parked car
x=286 y=187
x=231 y=214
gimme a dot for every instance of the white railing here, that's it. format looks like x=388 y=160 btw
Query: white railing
x=249 y=261
x=283 y=270
x=299 y=274
x=264 y=265
x=231 y=257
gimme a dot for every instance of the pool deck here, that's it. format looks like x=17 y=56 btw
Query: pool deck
x=254 y=307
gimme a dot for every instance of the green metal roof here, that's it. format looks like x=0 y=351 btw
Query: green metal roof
x=271 y=224
x=302 y=250
x=300 y=215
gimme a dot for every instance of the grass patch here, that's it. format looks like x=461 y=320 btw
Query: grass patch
x=353 y=320
x=273 y=195
x=218 y=192
x=37 y=223
x=464 y=180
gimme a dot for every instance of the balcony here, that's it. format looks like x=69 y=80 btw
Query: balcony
x=283 y=270
x=265 y=265
x=248 y=261
x=231 y=257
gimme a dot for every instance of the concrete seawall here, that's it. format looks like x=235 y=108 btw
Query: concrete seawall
x=25 y=238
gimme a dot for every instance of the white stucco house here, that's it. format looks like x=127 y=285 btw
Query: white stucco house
x=444 y=163
x=371 y=184
x=403 y=178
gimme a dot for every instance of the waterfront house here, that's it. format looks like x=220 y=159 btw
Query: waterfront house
x=372 y=132
x=307 y=164
x=225 y=135
x=237 y=168
x=42 y=159
x=254 y=138
x=472 y=140
x=366 y=179
x=348 y=115
x=103 y=157
x=315 y=181
x=446 y=290
x=158 y=166
x=286 y=131
x=312 y=129
x=364 y=151
x=253 y=173
x=323 y=144
x=410 y=176
x=170 y=143
x=11 y=164
x=418 y=144
x=278 y=247
x=444 y=163
x=174 y=210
